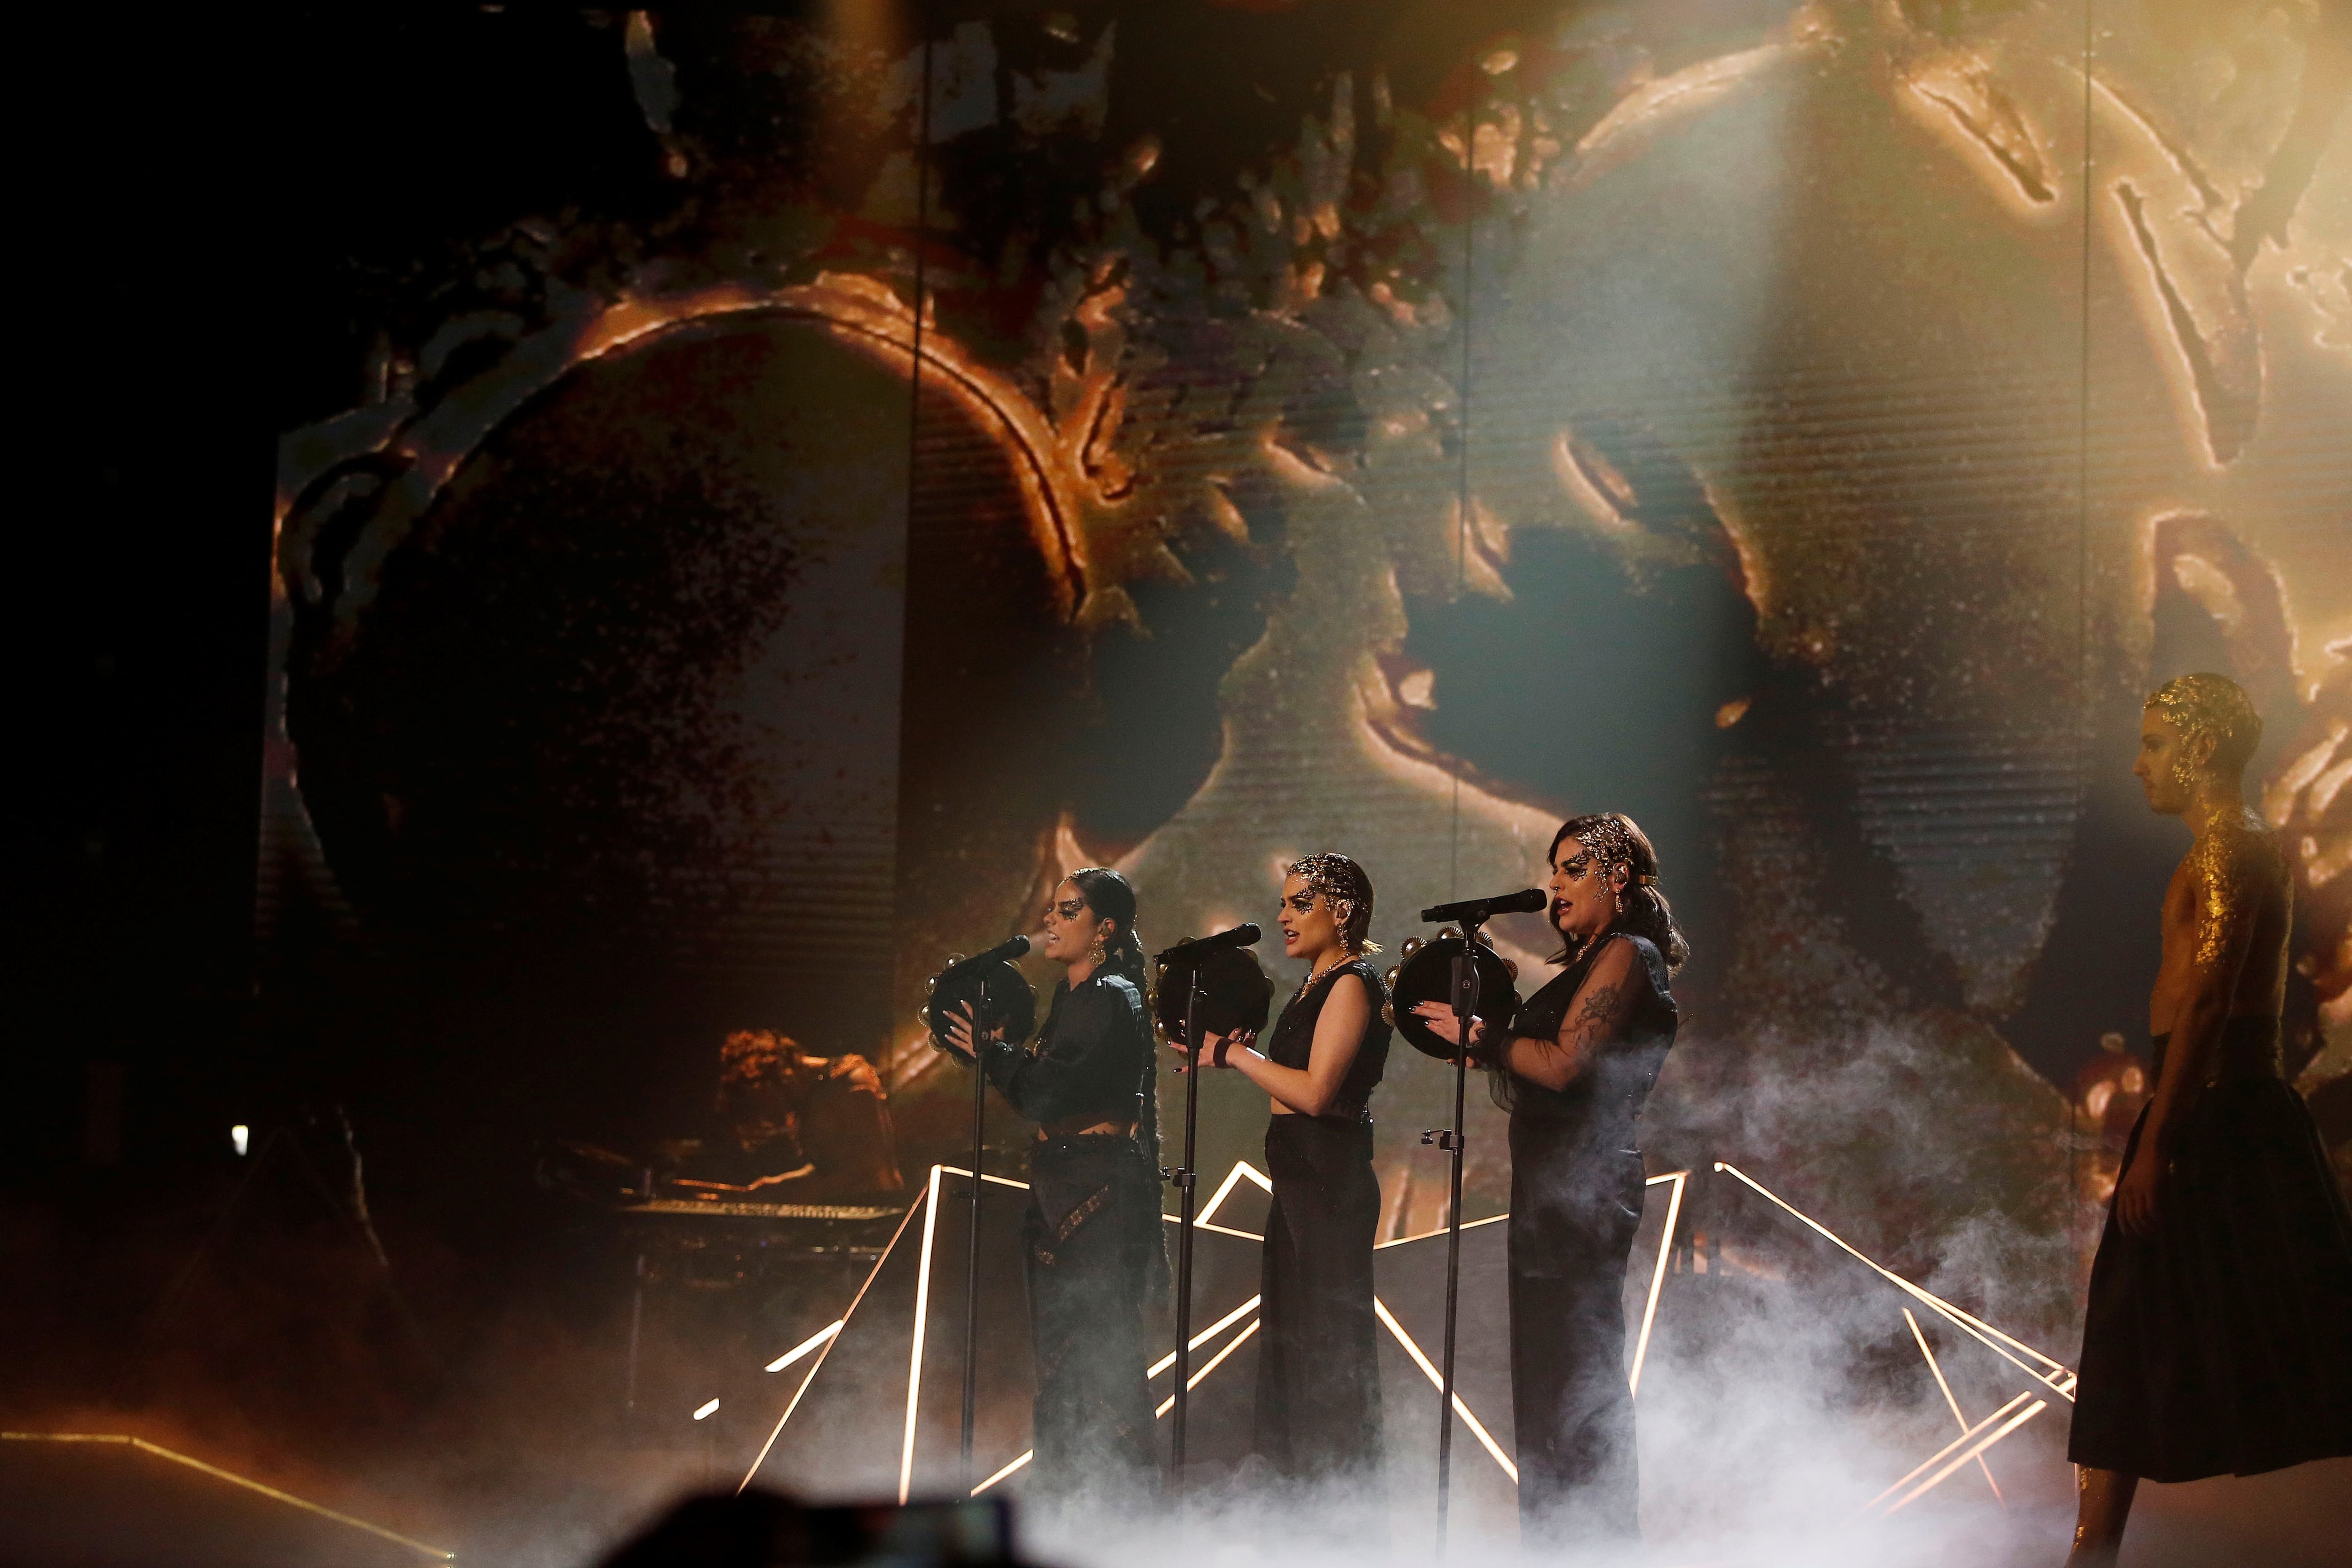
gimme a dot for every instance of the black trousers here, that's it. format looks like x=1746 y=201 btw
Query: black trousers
x=1579 y=1477
x=1319 y=1380
x=1093 y=1218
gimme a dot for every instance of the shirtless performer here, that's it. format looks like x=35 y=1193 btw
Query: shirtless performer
x=2215 y=1339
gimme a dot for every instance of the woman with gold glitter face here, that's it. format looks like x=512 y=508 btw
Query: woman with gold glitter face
x=1574 y=1069
x=1319 y=1391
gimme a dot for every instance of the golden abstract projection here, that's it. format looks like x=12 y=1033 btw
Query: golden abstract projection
x=1937 y=378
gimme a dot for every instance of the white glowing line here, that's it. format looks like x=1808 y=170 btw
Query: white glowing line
x=1939 y=1454
x=2062 y=1384
x=1004 y=1472
x=1215 y=1361
x=795 y=1404
x=1442 y=1230
x=1241 y=1168
x=1214 y=1229
x=706 y=1410
x=1975 y=1451
x=1000 y=1181
x=1203 y=1337
x=1657 y=1275
x=1438 y=1382
x=806 y=1346
x=1950 y=1401
x=915 y=1357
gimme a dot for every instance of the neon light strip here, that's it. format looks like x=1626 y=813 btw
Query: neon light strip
x=1193 y=1381
x=1004 y=1472
x=1203 y=1337
x=806 y=1346
x=915 y=1357
x=2062 y=1384
x=1000 y=1181
x=871 y=1275
x=1425 y=1236
x=1657 y=1275
x=1939 y=1454
x=161 y=1452
x=1975 y=1451
x=1435 y=1381
x=1950 y=1401
x=1241 y=1168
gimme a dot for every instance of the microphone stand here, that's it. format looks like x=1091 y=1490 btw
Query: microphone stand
x=1186 y=1197
x=1465 y=1006
x=971 y=1255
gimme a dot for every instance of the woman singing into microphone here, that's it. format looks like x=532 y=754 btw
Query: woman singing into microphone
x=1573 y=1071
x=1093 y=1253
x=1319 y=1391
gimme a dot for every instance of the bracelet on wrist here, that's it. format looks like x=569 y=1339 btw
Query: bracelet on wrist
x=1217 y=1057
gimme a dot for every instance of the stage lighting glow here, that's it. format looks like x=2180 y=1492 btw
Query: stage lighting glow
x=1966 y=1447
x=1657 y=1275
x=1955 y=1403
x=1203 y=1337
x=240 y=1137
x=232 y=1477
x=915 y=1356
x=1193 y=1381
x=814 y=1367
x=702 y=1413
x=1241 y=1168
x=2059 y=1379
x=1017 y=1463
x=1478 y=1428
x=806 y=1345
x=1974 y=1450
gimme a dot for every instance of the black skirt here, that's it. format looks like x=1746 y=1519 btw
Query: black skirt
x=1090 y=1232
x=1318 y=1382
x=2223 y=1343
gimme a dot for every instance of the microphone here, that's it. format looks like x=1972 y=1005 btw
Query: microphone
x=1011 y=947
x=1242 y=935
x=1478 y=910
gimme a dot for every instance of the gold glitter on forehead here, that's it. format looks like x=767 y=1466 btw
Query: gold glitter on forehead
x=2206 y=703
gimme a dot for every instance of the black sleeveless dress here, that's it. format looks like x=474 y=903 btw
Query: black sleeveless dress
x=1091 y=1242
x=1318 y=1384
x=2222 y=1344
x=1575 y=1200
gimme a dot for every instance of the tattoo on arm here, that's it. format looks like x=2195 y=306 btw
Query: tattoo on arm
x=1600 y=1010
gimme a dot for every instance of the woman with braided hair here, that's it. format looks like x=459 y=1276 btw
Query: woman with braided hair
x=1092 y=1249
x=1318 y=1389
x=1573 y=1071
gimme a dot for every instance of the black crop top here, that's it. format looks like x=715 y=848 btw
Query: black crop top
x=1292 y=1044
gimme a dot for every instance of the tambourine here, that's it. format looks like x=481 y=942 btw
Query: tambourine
x=1010 y=1005
x=1235 y=993
x=1425 y=974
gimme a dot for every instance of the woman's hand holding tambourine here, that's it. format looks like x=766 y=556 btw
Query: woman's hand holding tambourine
x=1441 y=1022
x=962 y=1027
x=1215 y=1048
